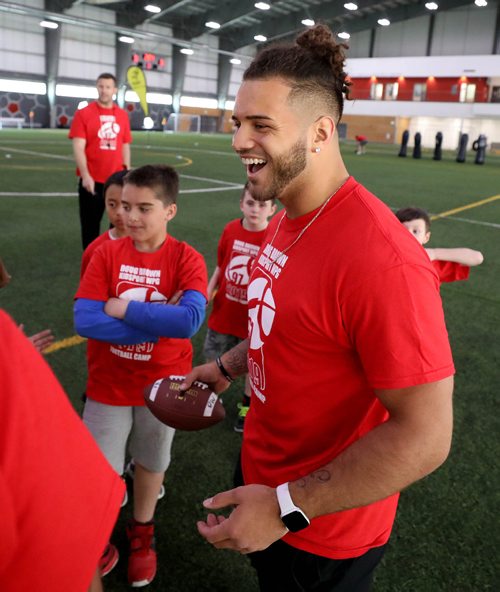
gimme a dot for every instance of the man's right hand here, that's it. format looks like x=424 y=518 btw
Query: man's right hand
x=88 y=183
x=209 y=374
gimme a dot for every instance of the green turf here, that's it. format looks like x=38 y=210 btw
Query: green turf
x=446 y=536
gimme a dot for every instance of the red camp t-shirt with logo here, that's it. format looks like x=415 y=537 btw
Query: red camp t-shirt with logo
x=89 y=251
x=351 y=307
x=119 y=373
x=236 y=252
x=59 y=496
x=105 y=131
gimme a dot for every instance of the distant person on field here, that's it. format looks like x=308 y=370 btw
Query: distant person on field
x=450 y=264
x=135 y=337
x=362 y=141
x=59 y=496
x=239 y=244
x=40 y=340
x=101 y=146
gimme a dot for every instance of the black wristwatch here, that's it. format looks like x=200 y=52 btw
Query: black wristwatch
x=291 y=515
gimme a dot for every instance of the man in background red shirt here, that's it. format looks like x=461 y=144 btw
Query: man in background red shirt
x=101 y=146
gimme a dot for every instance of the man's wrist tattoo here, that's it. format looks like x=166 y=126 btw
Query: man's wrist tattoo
x=319 y=476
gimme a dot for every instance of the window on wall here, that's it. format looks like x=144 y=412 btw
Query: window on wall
x=376 y=91
x=419 y=92
x=391 y=91
x=467 y=93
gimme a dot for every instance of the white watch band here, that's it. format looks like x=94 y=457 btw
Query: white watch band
x=285 y=500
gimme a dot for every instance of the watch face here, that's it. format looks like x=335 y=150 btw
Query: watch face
x=295 y=521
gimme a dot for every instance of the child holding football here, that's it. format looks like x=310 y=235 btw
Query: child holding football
x=136 y=336
x=450 y=264
x=239 y=244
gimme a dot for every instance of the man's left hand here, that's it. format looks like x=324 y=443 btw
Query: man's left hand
x=253 y=524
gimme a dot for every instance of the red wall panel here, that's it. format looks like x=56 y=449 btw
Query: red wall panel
x=438 y=89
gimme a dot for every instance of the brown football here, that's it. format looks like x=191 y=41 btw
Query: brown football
x=196 y=408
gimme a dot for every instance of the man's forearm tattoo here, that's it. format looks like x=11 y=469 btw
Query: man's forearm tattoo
x=319 y=476
x=235 y=360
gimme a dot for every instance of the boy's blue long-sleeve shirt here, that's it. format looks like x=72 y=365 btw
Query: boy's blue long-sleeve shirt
x=143 y=322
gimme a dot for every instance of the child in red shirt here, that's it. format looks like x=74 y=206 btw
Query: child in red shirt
x=238 y=245
x=451 y=265
x=112 y=192
x=136 y=336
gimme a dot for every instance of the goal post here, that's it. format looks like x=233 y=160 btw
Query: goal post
x=183 y=122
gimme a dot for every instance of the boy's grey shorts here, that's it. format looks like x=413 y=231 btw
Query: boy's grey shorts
x=149 y=440
x=218 y=343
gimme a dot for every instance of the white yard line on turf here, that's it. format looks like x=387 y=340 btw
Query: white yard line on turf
x=73 y=194
x=33 y=153
x=57 y=156
x=136 y=146
x=212 y=189
x=468 y=221
x=219 y=181
x=32 y=194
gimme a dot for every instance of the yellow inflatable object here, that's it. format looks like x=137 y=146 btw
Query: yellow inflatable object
x=137 y=80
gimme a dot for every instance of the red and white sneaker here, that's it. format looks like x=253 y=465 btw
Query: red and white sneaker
x=142 y=558
x=108 y=559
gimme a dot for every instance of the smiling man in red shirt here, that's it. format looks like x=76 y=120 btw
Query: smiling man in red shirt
x=347 y=352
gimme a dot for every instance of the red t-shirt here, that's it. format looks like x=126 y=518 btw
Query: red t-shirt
x=351 y=307
x=237 y=250
x=119 y=373
x=89 y=251
x=105 y=130
x=449 y=271
x=58 y=494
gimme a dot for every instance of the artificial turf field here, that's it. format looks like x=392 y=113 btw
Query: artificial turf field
x=446 y=533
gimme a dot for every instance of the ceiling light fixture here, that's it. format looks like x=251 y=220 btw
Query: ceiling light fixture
x=480 y=3
x=49 y=24
x=431 y=6
x=187 y=51
x=351 y=6
x=308 y=22
x=235 y=61
x=152 y=8
x=126 y=39
x=384 y=22
x=212 y=25
x=344 y=35
x=260 y=38
x=262 y=5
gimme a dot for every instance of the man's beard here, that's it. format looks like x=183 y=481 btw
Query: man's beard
x=285 y=168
